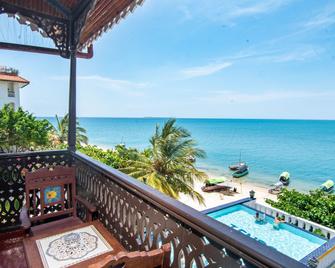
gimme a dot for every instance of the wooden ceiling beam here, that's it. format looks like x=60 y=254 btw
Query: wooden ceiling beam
x=43 y=50
x=60 y=7
x=69 y=22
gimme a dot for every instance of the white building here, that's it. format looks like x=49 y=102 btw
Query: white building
x=10 y=85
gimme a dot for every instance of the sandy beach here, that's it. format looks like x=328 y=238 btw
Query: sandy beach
x=216 y=199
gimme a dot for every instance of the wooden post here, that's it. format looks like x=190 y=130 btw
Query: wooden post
x=72 y=101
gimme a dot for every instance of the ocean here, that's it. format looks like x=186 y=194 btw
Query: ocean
x=305 y=148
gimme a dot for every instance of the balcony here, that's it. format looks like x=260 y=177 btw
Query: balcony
x=139 y=217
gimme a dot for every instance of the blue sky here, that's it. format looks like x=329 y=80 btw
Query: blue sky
x=203 y=58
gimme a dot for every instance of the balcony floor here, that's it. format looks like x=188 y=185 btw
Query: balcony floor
x=11 y=250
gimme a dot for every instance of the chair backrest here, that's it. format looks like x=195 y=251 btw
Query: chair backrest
x=144 y=259
x=50 y=193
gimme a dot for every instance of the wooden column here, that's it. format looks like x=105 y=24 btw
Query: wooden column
x=72 y=101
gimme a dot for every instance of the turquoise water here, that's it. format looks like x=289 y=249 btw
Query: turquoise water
x=289 y=240
x=304 y=148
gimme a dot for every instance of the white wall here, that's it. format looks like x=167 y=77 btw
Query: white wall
x=4 y=99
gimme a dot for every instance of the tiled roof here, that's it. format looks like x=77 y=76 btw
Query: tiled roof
x=13 y=78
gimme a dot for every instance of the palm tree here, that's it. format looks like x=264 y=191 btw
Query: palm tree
x=169 y=164
x=60 y=132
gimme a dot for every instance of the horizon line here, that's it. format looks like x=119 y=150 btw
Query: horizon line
x=201 y=118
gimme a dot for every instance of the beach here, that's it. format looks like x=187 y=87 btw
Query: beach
x=217 y=199
x=304 y=148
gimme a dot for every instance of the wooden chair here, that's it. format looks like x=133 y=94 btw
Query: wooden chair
x=51 y=195
x=137 y=259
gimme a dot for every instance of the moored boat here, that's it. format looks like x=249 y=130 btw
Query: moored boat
x=276 y=188
x=217 y=185
x=285 y=178
x=241 y=171
x=328 y=186
x=236 y=166
x=214 y=181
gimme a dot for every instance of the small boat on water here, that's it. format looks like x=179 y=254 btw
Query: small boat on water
x=328 y=186
x=241 y=171
x=236 y=166
x=285 y=178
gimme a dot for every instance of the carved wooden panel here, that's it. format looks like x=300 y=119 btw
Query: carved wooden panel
x=140 y=225
x=12 y=182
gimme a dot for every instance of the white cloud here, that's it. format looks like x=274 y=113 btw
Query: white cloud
x=248 y=8
x=323 y=19
x=266 y=53
x=113 y=83
x=298 y=54
x=117 y=85
x=204 y=70
x=226 y=96
x=227 y=10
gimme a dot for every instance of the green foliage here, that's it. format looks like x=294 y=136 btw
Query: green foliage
x=169 y=164
x=21 y=131
x=316 y=205
x=116 y=158
x=59 y=133
x=318 y=232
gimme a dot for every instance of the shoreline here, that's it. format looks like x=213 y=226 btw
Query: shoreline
x=216 y=199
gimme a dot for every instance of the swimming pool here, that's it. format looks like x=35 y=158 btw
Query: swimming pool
x=288 y=239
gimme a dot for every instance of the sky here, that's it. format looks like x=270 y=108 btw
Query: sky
x=196 y=58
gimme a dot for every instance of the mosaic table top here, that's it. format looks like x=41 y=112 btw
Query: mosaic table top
x=69 y=248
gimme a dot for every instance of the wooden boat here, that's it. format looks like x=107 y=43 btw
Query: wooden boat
x=276 y=188
x=241 y=171
x=218 y=188
x=327 y=186
x=236 y=166
x=285 y=178
x=214 y=181
x=216 y=185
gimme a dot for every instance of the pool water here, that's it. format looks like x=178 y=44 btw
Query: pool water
x=288 y=239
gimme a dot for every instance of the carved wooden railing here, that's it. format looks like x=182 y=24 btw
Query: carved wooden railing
x=142 y=218
x=12 y=173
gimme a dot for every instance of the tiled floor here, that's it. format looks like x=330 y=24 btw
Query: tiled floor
x=12 y=252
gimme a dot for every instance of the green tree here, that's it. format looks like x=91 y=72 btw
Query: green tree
x=316 y=206
x=116 y=158
x=59 y=134
x=169 y=164
x=21 y=131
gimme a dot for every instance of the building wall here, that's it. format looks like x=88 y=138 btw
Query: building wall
x=4 y=99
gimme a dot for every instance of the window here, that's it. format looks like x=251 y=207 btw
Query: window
x=11 y=91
